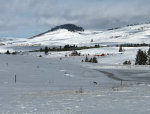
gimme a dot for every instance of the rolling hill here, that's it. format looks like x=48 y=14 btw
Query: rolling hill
x=61 y=36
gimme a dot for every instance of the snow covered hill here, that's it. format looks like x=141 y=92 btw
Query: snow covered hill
x=130 y=34
x=61 y=37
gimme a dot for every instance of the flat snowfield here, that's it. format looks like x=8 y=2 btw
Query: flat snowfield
x=54 y=86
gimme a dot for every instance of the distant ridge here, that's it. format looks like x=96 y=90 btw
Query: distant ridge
x=69 y=27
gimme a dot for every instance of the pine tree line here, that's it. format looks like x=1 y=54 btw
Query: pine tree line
x=133 y=45
x=65 y=48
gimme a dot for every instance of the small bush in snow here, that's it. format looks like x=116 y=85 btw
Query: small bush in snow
x=14 y=53
x=75 y=53
x=40 y=56
x=127 y=62
x=95 y=83
x=80 y=91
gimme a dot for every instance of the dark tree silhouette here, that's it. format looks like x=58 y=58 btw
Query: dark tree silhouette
x=7 y=52
x=141 y=58
x=46 y=50
x=120 y=49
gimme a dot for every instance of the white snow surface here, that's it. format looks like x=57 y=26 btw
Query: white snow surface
x=54 y=86
x=59 y=84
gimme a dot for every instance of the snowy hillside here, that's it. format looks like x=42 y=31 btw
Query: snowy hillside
x=137 y=34
x=61 y=37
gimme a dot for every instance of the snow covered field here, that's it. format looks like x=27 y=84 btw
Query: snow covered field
x=54 y=86
x=112 y=54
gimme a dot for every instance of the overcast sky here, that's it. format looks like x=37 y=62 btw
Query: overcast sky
x=24 y=18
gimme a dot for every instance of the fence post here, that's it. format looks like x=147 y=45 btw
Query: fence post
x=15 y=79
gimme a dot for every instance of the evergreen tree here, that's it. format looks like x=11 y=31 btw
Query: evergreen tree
x=120 y=49
x=141 y=58
x=125 y=63
x=86 y=59
x=46 y=50
x=7 y=52
x=95 y=60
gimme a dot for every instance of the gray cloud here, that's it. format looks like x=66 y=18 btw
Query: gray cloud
x=27 y=17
